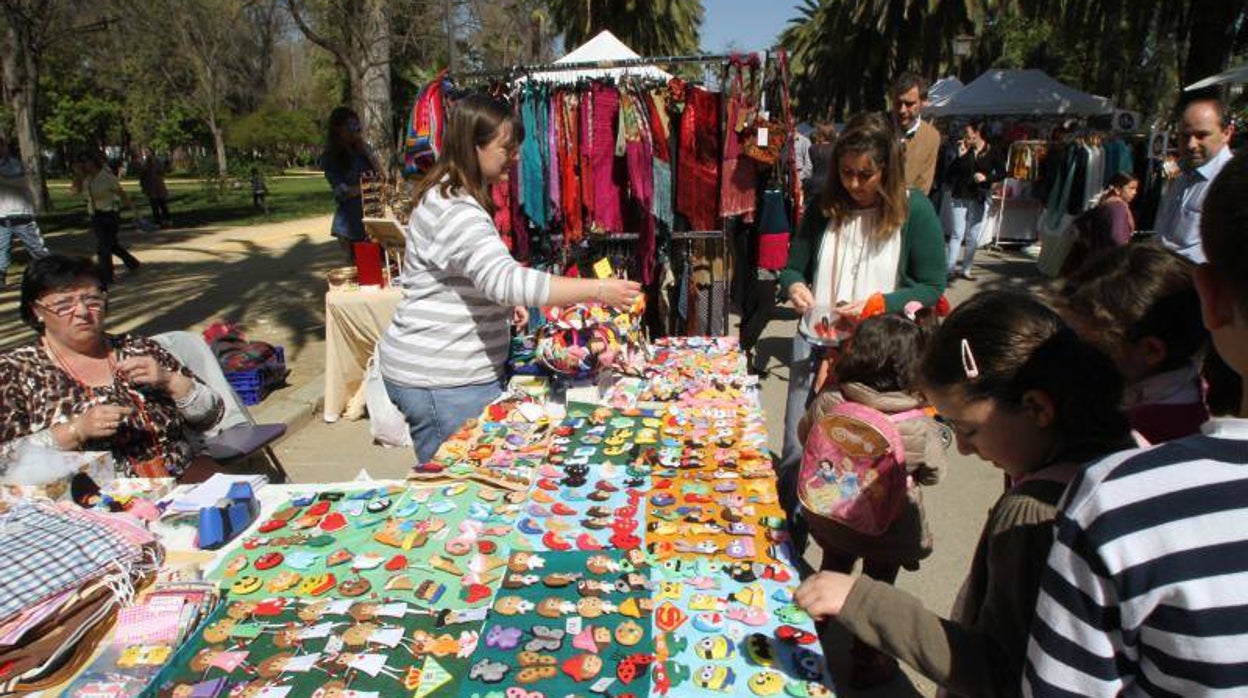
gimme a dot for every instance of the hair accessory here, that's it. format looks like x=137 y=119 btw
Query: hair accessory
x=968 y=361
x=911 y=310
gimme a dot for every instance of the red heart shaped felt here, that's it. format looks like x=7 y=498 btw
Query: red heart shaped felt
x=268 y=561
x=587 y=542
x=554 y=541
x=319 y=508
x=396 y=563
x=487 y=547
x=333 y=522
x=271 y=607
x=476 y=592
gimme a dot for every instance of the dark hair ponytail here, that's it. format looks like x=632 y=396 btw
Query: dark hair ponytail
x=1001 y=344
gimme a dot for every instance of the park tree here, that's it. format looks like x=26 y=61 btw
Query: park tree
x=32 y=28
x=649 y=27
x=358 y=35
x=1138 y=52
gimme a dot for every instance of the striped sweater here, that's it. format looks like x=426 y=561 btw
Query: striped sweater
x=459 y=284
x=1146 y=591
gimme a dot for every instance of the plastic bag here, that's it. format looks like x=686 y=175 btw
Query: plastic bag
x=386 y=423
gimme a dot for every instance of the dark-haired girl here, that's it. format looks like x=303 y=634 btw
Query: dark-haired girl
x=1021 y=391
x=973 y=173
x=879 y=370
x=346 y=158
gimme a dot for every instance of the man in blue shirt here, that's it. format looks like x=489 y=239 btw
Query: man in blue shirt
x=1204 y=135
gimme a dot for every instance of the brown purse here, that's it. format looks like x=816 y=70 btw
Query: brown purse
x=769 y=154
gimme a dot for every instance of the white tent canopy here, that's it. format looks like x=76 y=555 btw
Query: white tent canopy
x=601 y=49
x=943 y=89
x=1237 y=74
x=1019 y=92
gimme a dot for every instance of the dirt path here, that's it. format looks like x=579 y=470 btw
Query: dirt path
x=271 y=278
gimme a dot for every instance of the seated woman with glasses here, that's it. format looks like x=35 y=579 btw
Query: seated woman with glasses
x=78 y=388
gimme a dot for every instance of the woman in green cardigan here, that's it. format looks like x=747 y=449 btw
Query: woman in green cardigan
x=868 y=246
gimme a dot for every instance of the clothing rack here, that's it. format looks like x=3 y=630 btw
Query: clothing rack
x=529 y=68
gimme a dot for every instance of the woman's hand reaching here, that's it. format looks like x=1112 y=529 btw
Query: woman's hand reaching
x=802 y=298
x=619 y=293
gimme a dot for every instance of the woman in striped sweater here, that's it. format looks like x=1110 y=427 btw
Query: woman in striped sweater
x=442 y=356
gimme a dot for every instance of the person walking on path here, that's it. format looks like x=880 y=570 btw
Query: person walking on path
x=17 y=212
x=975 y=171
x=152 y=182
x=104 y=194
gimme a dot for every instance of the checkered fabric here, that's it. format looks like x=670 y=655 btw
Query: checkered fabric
x=44 y=551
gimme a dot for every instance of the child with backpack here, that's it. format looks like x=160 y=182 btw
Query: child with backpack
x=1138 y=304
x=876 y=400
x=1022 y=391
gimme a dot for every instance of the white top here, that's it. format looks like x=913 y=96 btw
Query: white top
x=459 y=284
x=853 y=263
x=14 y=198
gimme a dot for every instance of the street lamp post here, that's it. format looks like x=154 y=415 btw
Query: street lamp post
x=963 y=45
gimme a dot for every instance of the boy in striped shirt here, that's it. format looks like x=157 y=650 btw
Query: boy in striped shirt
x=1146 y=591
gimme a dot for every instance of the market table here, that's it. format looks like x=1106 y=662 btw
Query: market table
x=548 y=549
x=354 y=322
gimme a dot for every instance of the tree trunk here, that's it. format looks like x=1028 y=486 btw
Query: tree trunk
x=372 y=96
x=218 y=144
x=21 y=80
x=1212 y=34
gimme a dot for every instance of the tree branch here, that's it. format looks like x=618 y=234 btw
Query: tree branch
x=314 y=37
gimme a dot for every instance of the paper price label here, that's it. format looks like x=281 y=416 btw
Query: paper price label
x=602 y=269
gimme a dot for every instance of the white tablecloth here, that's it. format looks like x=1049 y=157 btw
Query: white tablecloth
x=354 y=322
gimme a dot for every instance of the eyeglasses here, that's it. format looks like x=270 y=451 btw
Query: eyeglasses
x=94 y=302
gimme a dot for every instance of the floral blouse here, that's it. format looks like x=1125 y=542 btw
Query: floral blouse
x=36 y=394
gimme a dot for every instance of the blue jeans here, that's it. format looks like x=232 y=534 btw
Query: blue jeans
x=968 y=222
x=801 y=382
x=27 y=232
x=433 y=414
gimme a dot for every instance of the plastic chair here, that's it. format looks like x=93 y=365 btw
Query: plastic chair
x=236 y=437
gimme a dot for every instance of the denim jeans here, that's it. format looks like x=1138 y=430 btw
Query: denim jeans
x=801 y=382
x=433 y=414
x=28 y=233
x=968 y=222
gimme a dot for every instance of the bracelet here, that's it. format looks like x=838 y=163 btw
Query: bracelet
x=598 y=295
x=78 y=440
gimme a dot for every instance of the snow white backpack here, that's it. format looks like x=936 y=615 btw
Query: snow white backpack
x=854 y=468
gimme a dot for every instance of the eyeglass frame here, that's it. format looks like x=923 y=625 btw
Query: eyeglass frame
x=82 y=299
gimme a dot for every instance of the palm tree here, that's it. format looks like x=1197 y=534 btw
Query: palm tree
x=649 y=27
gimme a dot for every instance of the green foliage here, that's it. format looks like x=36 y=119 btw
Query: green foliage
x=649 y=27
x=192 y=205
x=180 y=127
x=83 y=121
x=278 y=134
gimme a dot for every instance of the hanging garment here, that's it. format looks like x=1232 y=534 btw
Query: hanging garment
x=552 y=157
x=639 y=156
x=606 y=172
x=570 y=185
x=697 y=197
x=519 y=222
x=737 y=193
x=660 y=124
x=500 y=193
x=532 y=166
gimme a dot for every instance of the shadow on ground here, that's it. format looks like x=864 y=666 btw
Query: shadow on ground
x=183 y=285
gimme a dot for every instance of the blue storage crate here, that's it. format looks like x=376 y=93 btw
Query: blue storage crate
x=254 y=384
